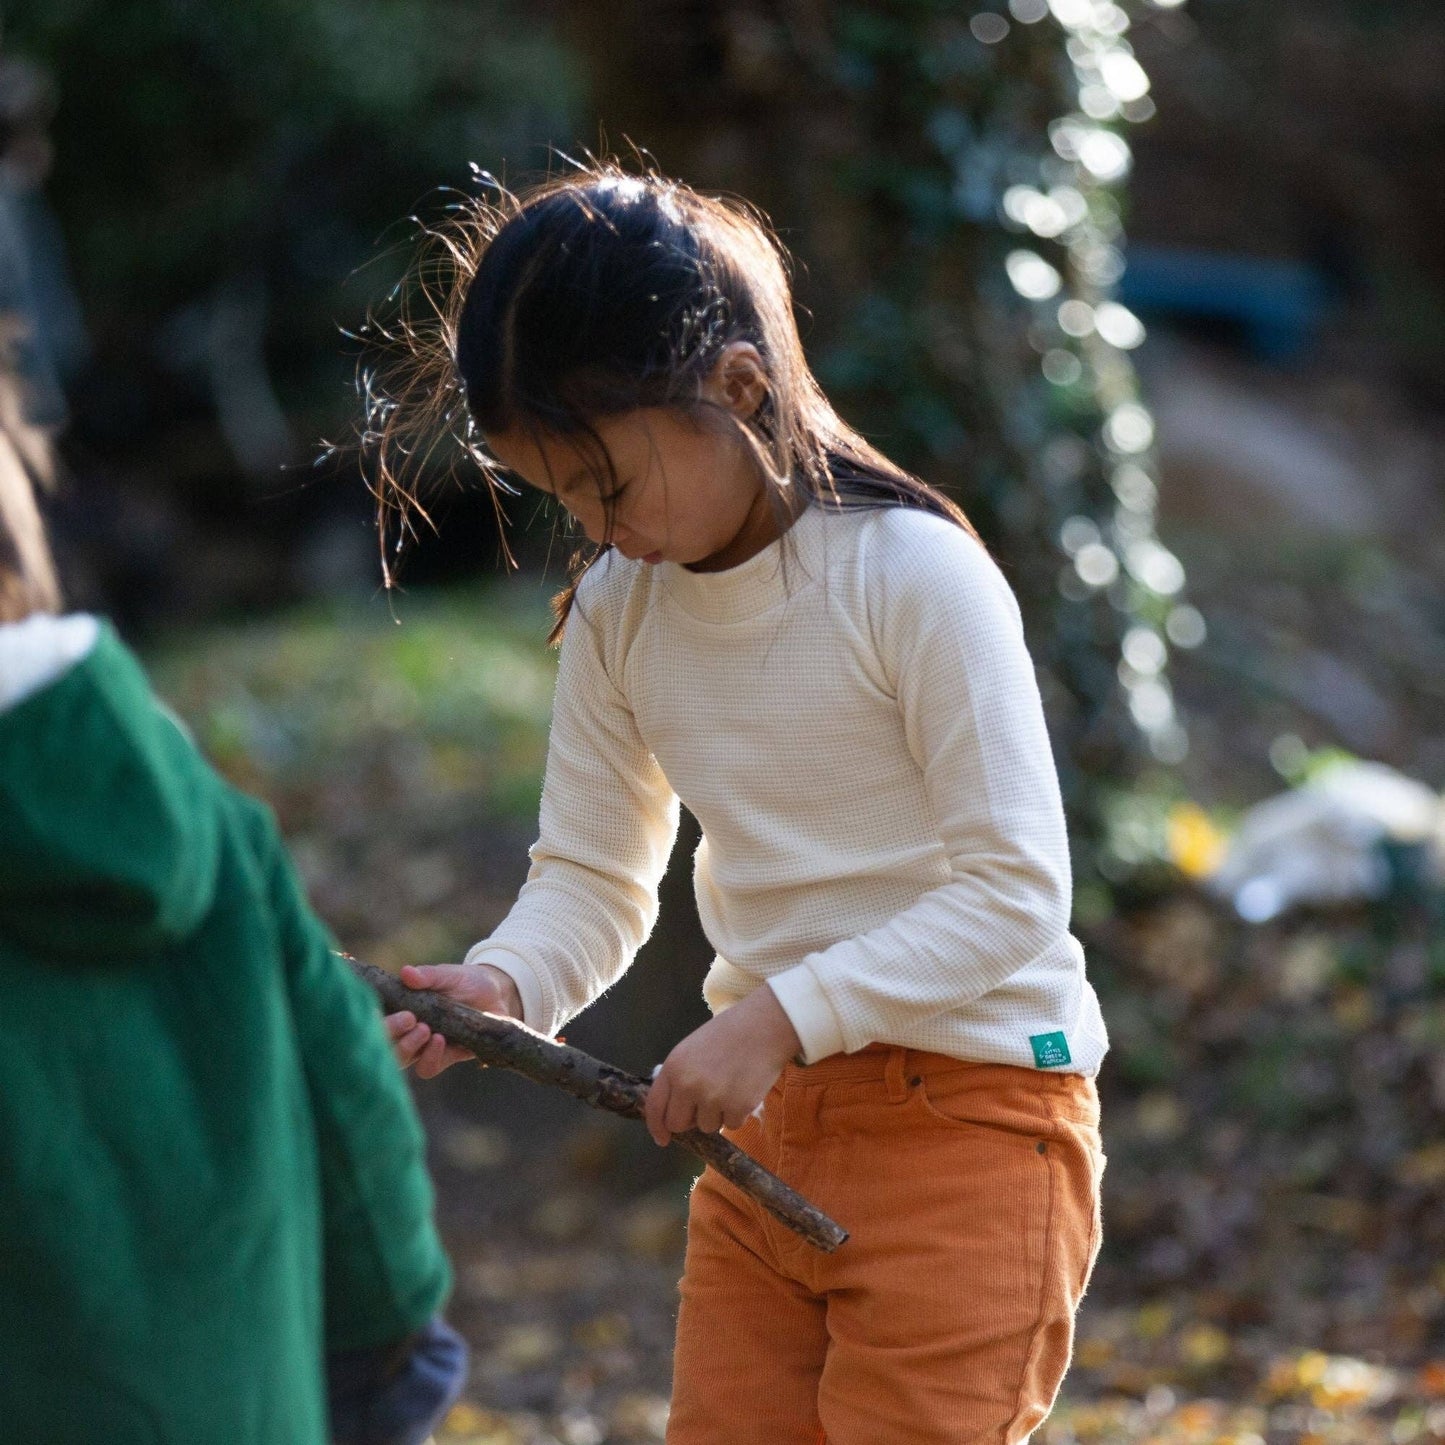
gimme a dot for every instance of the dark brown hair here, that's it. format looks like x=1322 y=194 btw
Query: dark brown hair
x=592 y=294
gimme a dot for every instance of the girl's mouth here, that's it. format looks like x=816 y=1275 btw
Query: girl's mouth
x=653 y=558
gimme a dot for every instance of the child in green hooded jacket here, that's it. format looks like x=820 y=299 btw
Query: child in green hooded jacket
x=213 y=1200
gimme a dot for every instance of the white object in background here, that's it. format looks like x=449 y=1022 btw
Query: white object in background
x=1323 y=842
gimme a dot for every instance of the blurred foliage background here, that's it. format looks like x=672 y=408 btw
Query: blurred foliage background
x=1156 y=290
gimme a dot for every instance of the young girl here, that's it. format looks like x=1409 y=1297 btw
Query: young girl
x=811 y=649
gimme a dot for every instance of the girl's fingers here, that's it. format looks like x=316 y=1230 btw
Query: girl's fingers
x=681 y=1114
x=437 y=978
x=399 y=1024
x=432 y=1059
x=471 y=986
x=655 y=1108
x=709 y=1119
x=409 y=1044
x=441 y=977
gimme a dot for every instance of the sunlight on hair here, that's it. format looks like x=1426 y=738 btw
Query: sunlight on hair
x=27 y=571
x=430 y=388
x=625 y=188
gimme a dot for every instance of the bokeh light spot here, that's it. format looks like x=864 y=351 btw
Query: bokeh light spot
x=1103 y=154
x=1031 y=276
x=1155 y=566
x=988 y=27
x=1151 y=704
x=1144 y=650
x=1072 y=14
x=1134 y=487
x=1098 y=102
x=1096 y=564
x=1060 y=367
x=1077 y=533
x=1118 y=325
x=1076 y=318
x=1123 y=75
x=1186 y=627
x=1129 y=428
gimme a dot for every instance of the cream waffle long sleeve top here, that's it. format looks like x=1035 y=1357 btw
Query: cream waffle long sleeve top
x=853 y=719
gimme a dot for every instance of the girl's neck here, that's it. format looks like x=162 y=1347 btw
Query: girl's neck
x=770 y=516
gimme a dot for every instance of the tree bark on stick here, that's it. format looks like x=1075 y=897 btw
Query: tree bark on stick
x=505 y=1043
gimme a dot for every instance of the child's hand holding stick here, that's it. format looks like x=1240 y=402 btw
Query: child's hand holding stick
x=511 y=1045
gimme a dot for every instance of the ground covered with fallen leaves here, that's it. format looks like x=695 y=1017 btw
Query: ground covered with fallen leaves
x=1275 y=1206
x=1274 y=1266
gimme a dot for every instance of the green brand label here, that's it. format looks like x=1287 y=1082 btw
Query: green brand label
x=1050 y=1050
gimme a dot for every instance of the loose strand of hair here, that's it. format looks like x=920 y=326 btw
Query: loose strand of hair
x=415 y=409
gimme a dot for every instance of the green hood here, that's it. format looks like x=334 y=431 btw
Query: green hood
x=209 y=1168
x=105 y=849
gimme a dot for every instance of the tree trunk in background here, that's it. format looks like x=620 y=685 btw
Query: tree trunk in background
x=907 y=157
x=659 y=999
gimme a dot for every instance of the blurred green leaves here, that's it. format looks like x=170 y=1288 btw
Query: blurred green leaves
x=986 y=351
x=275 y=138
x=333 y=712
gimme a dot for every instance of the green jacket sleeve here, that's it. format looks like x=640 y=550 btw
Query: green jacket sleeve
x=385 y=1270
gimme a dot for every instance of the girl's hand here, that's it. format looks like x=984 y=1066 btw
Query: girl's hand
x=478 y=985
x=721 y=1072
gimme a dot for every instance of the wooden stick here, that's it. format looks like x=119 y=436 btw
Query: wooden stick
x=507 y=1044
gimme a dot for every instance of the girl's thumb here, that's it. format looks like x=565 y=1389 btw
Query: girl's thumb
x=433 y=976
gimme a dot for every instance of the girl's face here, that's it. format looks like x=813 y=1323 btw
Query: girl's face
x=686 y=492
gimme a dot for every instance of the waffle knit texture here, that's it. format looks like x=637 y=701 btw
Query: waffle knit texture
x=852 y=717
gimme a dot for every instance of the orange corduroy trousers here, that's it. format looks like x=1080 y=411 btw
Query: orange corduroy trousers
x=971 y=1192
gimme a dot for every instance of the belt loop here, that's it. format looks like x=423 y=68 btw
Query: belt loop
x=893 y=1075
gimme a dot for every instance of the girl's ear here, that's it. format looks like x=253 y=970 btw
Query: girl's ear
x=740 y=381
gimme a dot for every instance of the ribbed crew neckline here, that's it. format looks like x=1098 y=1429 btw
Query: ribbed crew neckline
x=766 y=580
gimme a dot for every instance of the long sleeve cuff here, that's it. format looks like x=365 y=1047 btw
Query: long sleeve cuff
x=529 y=986
x=397 y=1393
x=808 y=1010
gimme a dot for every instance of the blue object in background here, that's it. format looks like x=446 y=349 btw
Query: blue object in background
x=1278 y=306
